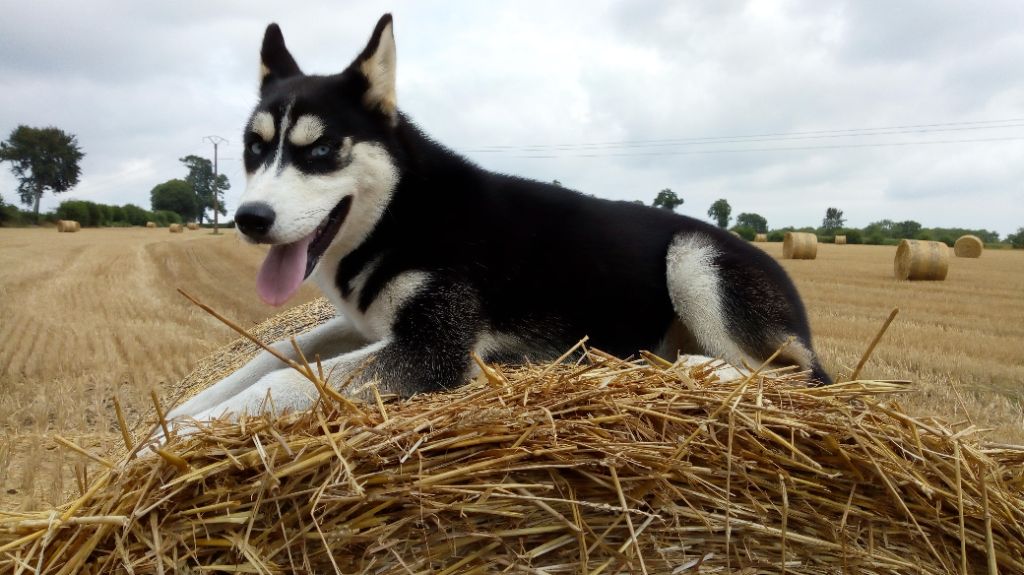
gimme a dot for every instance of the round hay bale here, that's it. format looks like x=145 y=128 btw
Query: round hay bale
x=760 y=237
x=921 y=260
x=840 y=240
x=192 y=226
x=150 y=224
x=968 y=246
x=800 y=246
x=735 y=233
x=175 y=228
x=561 y=468
x=68 y=226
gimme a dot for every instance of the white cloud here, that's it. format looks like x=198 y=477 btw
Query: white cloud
x=141 y=84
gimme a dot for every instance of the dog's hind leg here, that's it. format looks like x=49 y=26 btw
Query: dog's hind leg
x=738 y=306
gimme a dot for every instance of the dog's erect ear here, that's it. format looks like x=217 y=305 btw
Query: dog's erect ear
x=377 y=64
x=276 y=63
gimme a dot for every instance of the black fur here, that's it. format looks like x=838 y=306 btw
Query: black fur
x=515 y=256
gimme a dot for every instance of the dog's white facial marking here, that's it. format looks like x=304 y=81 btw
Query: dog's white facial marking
x=693 y=285
x=263 y=126
x=285 y=125
x=301 y=202
x=308 y=129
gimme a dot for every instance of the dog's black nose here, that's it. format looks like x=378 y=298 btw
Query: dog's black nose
x=254 y=219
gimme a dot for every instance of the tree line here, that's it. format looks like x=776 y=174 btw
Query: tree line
x=883 y=232
x=47 y=160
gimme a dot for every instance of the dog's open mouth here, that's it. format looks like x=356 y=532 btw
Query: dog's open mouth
x=324 y=234
x=287 y=265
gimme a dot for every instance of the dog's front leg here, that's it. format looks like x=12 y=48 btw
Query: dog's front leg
x=288 y=390
x=333 y=338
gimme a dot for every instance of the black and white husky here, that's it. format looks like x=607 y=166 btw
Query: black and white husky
x=428 y=257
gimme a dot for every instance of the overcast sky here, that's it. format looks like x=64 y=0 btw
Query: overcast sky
x=899 y=110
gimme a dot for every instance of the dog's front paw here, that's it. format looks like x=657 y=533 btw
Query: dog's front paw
x=277 y=392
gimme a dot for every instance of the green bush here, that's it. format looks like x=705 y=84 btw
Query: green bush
x=745 y=232
x=135 y=215
x=74 y=210
x=854 y=236
x=165 y=218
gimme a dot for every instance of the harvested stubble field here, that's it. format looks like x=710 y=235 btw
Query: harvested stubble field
x=86 y=316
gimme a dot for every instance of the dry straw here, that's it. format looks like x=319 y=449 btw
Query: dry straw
x=192 y=226
x=760 y=237
x=921 y=260
x=68 y=226
x=968 y=246
x=176 y=228
x=800 y=246
x=150 y=224
x=840 y=240
x=593 y=466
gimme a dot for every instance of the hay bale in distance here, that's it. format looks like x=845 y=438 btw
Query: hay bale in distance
x=176 y=228
x=192 y=226
x=968 y=246
x=150 y=224
x=68 y=226
x=735 y=233
x=921 y=260
x=760 y=237
x=840 y=240
x=800 y=246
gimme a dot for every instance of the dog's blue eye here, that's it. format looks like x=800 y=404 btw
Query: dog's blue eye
x=256 y=148
x=320 y=151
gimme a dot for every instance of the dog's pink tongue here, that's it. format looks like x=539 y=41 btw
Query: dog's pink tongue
x=282 y=271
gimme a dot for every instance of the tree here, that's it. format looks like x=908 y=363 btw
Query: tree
x=203 y=184
x=557 y=183
x=1017 y=239
x=720 y=212
x=755 y=221
x=42 y=159
x=175 y=196
x=833 y=221
x=667 y=199
x=906 y=230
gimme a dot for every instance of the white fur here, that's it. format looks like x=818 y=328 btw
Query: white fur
x=288 y=390
x=723 y=371
x=328 y=339
x=376 y=322
x=302 y=202
x=263 y=126
x=693 y=286
x=308 y=129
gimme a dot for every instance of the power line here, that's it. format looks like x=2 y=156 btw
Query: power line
x=757 y=138
x=771 y=149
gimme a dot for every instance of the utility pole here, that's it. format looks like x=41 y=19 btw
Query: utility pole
x=216 y=141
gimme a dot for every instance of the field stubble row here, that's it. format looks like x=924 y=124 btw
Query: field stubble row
x=85 y=317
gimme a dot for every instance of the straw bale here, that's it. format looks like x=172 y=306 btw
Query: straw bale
x=594 y=466
x=735 y=233
x=800 y=246
x=176 y=228
x=840 y=240
x=68 y=226
x=760 y=237
x=921 y=260
x=968 y=246
x=192 y=226
x=150 y=224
